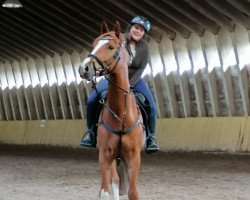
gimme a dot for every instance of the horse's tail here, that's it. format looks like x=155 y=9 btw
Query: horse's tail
x=122 y=170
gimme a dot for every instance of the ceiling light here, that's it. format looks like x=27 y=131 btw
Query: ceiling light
x=12 y=4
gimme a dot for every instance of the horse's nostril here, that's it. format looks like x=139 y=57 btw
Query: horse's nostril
x=87 y=68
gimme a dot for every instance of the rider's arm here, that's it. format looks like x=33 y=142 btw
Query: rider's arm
x=139 y=64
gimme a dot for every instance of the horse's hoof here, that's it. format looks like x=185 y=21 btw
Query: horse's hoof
x=104 y=195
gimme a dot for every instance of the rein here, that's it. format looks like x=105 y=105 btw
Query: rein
x=122 y=121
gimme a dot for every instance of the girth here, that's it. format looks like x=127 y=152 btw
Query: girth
x=120 y=132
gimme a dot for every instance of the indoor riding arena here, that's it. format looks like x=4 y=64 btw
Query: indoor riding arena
x=198 y=73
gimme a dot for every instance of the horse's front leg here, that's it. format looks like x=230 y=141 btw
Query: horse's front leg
x=134 y=163
x=105 y=166
x=115 y=181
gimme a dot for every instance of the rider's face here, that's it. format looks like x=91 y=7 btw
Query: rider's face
x=136 y=32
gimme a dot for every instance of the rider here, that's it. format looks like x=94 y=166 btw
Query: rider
x=139 y=56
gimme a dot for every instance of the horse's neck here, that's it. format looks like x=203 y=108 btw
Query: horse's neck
x=120 y=75
x=119 y=79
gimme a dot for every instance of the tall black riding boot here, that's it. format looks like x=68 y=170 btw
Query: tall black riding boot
x=89 y=139
x=151 y=143
x=93 y=111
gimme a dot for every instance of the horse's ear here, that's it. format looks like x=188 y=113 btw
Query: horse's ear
x=104 y=28
x=117 y=29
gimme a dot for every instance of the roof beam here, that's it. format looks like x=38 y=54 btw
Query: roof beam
x=49 y=29
x=15 y=44
x=212 y=13
x=9 y=54
x=132 y=11
x=24 y=30
x=102 y=13
x=243 y=6
x=232 y=12
x=176 y=16
x=19 y=41
x=165 y=20
x=57 y=19
x=74 y=18
x=184 y=7
x=112 y=13
x=50 y=20
x=16 y=33
x=2 y=60
x=14 y=50
x=6 y=57
x=42 y=30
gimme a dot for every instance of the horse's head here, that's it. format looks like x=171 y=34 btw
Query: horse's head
x=105 y=54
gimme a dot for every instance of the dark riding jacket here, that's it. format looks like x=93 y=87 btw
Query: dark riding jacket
x=139 y=62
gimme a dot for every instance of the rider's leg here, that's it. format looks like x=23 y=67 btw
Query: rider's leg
x=151 y=142
x=89 y=139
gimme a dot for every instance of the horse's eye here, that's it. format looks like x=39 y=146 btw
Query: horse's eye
x=111 y=47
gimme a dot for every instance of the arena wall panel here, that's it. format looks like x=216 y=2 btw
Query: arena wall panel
x=34 y=132
x=2 y=130
x=245 y=138
x=14 y=132
x=220 y=134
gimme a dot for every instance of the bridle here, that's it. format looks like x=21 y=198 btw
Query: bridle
x=106 y=65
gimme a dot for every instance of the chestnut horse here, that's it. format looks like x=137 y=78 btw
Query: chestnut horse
x=120 y=130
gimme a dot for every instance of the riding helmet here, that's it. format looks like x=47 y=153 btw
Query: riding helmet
x=141 y=21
